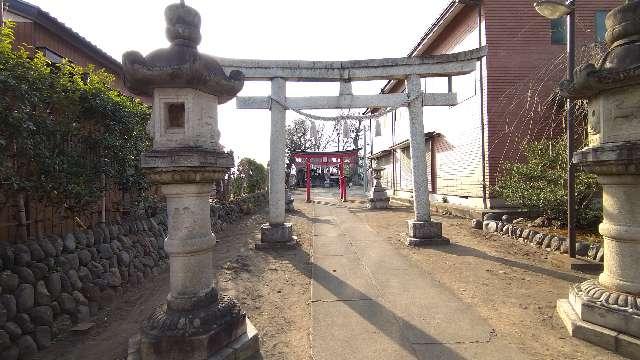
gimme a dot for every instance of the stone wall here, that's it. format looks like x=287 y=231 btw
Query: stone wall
x=223 y=214
x=51 y=283
x=537 y=239
x=48 y=285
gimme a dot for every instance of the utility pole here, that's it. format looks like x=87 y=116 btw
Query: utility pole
x=571 y=113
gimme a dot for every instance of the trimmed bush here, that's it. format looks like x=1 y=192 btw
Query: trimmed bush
x=540 y=182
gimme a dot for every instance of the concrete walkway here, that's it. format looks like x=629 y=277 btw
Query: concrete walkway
x=369 y=301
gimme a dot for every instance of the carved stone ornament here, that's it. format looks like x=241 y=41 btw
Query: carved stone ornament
x=180 y=65
x=620 y=67
x=208 y=315
x=591 y=291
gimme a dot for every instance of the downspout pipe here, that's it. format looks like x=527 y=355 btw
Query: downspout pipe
x=482 y=114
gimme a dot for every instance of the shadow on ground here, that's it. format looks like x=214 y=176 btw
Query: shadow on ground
x=461 y=250
x=328 y=280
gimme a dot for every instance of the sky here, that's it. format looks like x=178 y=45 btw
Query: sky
x=277 y=29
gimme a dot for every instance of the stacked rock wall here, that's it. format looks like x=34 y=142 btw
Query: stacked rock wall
x=548 y=242
x=230 y=212
x=51 y=283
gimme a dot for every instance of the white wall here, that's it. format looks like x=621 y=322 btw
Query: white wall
x=459 y=149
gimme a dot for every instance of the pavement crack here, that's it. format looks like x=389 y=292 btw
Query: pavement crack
x=492 y=335
x=340 y=300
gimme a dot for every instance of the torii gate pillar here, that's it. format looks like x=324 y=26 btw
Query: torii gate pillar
x=343 y=181
x=277 y=233
x=422 y=231
x=307 y=174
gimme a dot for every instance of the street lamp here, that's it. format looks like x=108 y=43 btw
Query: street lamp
x=555 y=9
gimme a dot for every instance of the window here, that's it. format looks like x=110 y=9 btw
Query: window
x=601 y=28
x=175 y=115
x=51 y=55
x=559 y=31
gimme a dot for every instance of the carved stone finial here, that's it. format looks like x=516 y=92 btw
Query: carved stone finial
x=183 y=25
x=621 y=65
x=180 y=65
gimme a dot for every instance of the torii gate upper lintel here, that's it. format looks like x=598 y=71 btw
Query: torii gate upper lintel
x=409 y=69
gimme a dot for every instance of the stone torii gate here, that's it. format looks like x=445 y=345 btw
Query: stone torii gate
x=421 y=231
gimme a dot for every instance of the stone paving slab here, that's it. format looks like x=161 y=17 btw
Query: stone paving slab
x=426 y=321
x=340 y=278
x=327 y=226
x=358 y=233
x=356 y=330
x=380 y=258
x=465 y=352
x=331 y=246
x=430 y=309
x=407 y=314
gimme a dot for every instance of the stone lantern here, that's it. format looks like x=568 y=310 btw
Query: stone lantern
x=196 y=322
x=606 y=311
x=378 y=198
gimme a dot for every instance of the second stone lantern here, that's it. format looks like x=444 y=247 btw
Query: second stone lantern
x=606 y=311
x=378 y=198
x=196 y=322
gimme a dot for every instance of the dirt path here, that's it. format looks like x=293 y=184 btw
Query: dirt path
x=272 y=287
x=513 y=286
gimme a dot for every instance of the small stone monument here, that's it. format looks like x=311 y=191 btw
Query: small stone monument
x=606 y=311
x=186 y=160
x=378 y=198
x=327 y=179
x=288 y=200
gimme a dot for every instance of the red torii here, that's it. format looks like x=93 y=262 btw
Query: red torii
x=329 y=158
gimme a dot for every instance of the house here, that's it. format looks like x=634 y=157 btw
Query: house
x=40 y=31
x=504 y=104
x=37 y=30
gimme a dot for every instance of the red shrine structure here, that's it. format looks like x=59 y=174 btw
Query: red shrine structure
x=331 y=158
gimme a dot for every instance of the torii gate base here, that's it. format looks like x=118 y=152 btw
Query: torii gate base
x=276 y=237
x=425 y=233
